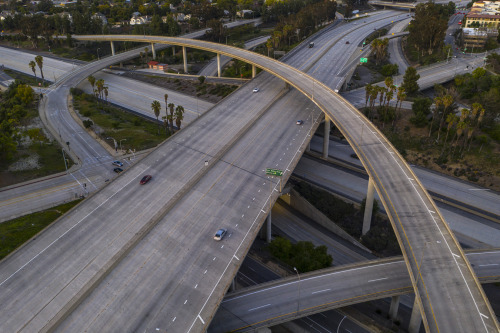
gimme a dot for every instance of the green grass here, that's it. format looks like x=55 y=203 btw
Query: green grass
x=139 y=133
x=28 y=79
x=16 y=232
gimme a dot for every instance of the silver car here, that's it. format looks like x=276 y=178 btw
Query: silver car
x=220 y=234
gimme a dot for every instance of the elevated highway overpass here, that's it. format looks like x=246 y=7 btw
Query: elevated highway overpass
x=124 y=242
x=287 y=299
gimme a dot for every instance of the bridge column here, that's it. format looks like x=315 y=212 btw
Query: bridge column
x=112 y=48
x=326 y=136
x=393 y=310
x=233 y=285
x=219 y=74
x=153 y=50
x=184 y=57
x=415 y=319
x=173 y=51
x=367 y=219
x=254 y=70
x=268 y=233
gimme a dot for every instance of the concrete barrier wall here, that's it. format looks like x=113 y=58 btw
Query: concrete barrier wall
x=297 y=202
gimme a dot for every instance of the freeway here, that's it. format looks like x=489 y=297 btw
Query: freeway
x=266 y=304
x=204 y=195
x=414 y=216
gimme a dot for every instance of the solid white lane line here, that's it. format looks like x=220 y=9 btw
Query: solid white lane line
x=378 y=279
x=319 y=291
x=259 y=307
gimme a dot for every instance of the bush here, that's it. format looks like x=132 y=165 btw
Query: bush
x=76 y=92
x=303 y=255
x=87 y=123
x=86 y=113
x=389 y=70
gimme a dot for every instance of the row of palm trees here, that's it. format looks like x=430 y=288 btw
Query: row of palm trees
x=385 y=95
x=465 y=125
x=37 y=62
x=172 y=114
x=100 y=90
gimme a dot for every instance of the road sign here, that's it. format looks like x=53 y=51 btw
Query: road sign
x=363 y=59
x=274 y=172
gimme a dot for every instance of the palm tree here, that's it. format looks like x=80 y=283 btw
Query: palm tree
x=451 y=119
x=437 y=102
x=106 y=93
x=171 y=117
x=39 y=62
x=100 y=87
x=269 y=46
x=32 y=64
x=401 y=96
x=447 y=102
x=156 y=106
x=179 y=116
x=368 y=89
x=373 y=98
x=91 y=80
x=165 y=123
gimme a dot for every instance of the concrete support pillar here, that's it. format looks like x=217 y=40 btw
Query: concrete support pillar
x=254 y=71
x=173 y=51
x=393 y=310
x=112 y=48
x=367 y=219
x=219 y=74
x=153 y=50
x=121 y=64
x=268 y=234
x=184 y=57
x=308 y=148
x=415 y=319
x=326 y=136
x=233 y=285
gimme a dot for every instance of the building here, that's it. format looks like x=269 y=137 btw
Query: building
x=484 y=14
x=156 y=65
x=137 y=20
x=101 y=17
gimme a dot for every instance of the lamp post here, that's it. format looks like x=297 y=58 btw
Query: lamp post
x=116 y=144
x=298 y=300
x=98 y=53
x=121 y=143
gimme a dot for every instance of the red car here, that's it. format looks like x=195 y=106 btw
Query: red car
x=145 y=179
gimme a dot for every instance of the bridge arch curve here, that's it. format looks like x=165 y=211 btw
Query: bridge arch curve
x=413 y=214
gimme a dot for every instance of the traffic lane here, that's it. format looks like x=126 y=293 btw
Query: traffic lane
x=441 y=249
x=252 y=272
x=442 y=184
x=184 y=154
x=137 y=96
x=326 y=321
x=316 y=293
x=296 y=228
x=105 y=322
x=19 y=61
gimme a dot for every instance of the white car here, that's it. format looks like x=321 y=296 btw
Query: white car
x=220 y=234
x=300 y=122
x=255 y=90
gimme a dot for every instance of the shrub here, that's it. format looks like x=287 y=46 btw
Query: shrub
x=87 y=123
x=389 y=70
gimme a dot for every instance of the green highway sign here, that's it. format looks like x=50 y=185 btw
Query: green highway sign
x=274 y=172
x=363 y=59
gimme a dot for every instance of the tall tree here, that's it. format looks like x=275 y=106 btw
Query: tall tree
x=39 y=62
x=91 y=80
x=179 y=116
x=368 y=89
x=410 y=81
x=156 y=107
x=33 y=67
x=379 y=47
x=171 y=117
x=428 y=29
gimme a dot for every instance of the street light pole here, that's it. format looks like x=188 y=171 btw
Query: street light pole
x=98 y=53
x=121 y=143
x=298 y=300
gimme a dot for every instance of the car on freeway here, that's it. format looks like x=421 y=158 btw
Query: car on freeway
x=117 y=163
x=347 y=42
x=299 y=122
x=118 y=170
x=145 y=179
x=255 y=90
x=220 y=234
